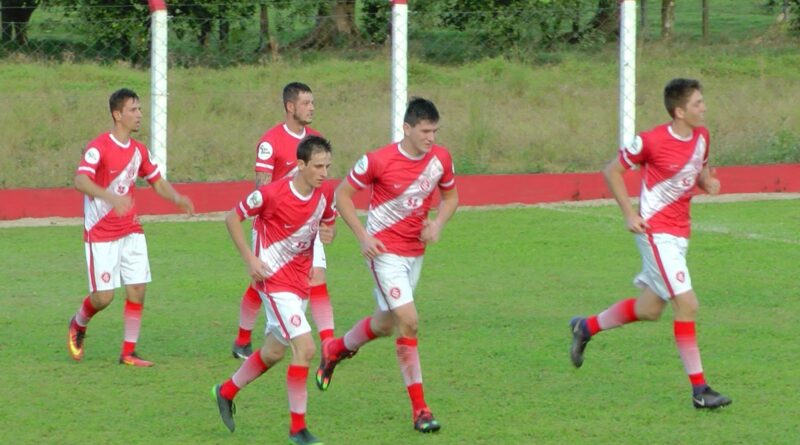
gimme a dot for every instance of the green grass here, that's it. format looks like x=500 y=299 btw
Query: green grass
x=494 y=299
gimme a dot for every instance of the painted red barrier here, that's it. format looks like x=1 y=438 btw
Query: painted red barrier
x=474 y=190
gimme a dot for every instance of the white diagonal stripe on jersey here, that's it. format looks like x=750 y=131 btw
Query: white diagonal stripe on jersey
x=668 y=191
x=282 y=252
x=96 y=209
x=393 y=211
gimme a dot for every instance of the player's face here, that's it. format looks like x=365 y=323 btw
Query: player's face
x=694 y=112
x=130 y=117
x=421 y=136
x=315 y=172
x=302 y=109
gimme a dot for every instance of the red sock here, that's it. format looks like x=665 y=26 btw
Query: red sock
x=296 y=377
x=321 y=310
x=408 y=357
x=248 y=312
x=686 y=340
x=85 y=313
x=132 y=314
x=620 y=313
x=358 y=335
x=417 y=396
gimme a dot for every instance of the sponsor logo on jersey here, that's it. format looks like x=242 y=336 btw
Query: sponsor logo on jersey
x=425 y=184
x=395 y=292
x=362 y=165
x=255 y=199
x=264 y=151
x=295 y=320
x=92 y=155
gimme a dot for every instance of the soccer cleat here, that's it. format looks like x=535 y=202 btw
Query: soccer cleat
x=75 y=338
x=304 y=437
x=579 y=340
x=226 y=407
x=242 y=351
x=133 y=359
x=424 y=422
x=327 y=364
x=710 y=399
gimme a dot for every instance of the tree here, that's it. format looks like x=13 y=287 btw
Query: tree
x=15 y=17
x=335 y=24
x=667 y=18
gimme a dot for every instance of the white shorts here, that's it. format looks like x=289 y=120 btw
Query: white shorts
x=319 y=254
x=286 y=315
x=663 y=264
x=111 y=264
x=396 y=278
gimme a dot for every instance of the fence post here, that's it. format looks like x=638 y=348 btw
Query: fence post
x=627 y=72
x=158 y=83
x=399 y=66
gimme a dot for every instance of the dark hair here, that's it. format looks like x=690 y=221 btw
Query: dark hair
x=677 y=93
x=292 y=90
x=420 y=109
x=118 y=98
x=310 y=145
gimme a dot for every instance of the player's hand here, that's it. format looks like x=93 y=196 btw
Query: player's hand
x=711 y=184
x=636 y=224
x=327 y=233
x=122 y=204
x=256 y=268
x=372 y=247
x=430 y=231
x=185 y=203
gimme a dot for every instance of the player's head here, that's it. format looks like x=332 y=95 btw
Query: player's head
x=298 y=101
x=125 y=108
x=420 y=124
x=314 y=160
x=683 y=99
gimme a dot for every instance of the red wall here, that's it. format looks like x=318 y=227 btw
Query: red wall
x=473 y=190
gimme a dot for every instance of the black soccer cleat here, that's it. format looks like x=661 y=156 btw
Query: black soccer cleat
x=579 y=340
x=304 y=437
x=424 y=422
x=710 y=399
x=226 y=407
x=242 y=351
x=327 y=364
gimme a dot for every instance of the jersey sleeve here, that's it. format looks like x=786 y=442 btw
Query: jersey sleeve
x=265 y=155
x=448 y=179
x=634 y=154
x=253 y=204
x=708 y=146
x=148 y=169
x=90 y=162
x=363 y=172
x=329 y=214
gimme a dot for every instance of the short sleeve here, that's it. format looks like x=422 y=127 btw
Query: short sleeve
x=363 y=172
x=634 y=154
x=148 y=169
x=708 y=147
x=265 y=156
x=329 y=214
x=90 y=161
x=448 y=179
x=253 y=204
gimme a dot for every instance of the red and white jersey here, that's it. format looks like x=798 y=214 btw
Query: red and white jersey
x=402 y=191
x=286 y=224
x=114 y=166
x=277 y=151
x=671 y=165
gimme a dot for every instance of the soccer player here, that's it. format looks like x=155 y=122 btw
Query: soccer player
x=673 y=158
x=276 y=158
x=288 y=215
x=402 y=177
x=116 y=250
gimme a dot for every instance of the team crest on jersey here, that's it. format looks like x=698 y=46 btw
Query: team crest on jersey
x=121 y=189
x=295 y=320
x=264 y=151
x=395 y=292
x=680 y=276
x=92 y=155
x=636 y=147
x=106 y=277
x=425 y=185
x=362 y=165
x=255 y=200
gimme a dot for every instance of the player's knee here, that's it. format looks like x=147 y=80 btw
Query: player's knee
x=102 y=299
x=408 y=328
x=271 y=356
x=305 y=352
x=648 y=314
x=382 y=327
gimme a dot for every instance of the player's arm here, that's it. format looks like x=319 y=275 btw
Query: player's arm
x=432 y=229
x=263 y=178
x=255 y=268
x=370 y=246
x=613 y=173
x=708 y=181
x=84 y=184
x=165 y=190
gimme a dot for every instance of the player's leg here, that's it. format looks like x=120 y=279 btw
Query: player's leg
x=685 y=309
x=296 y=378
x=319 y=299
x=102 y=265
x=248 y=312
x=135 y=273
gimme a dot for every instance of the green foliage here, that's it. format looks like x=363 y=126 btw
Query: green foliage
x=376 y=20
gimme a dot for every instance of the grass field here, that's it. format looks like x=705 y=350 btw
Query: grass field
x=494 y=299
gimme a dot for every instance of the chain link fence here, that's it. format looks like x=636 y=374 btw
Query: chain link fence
x=516 y=81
